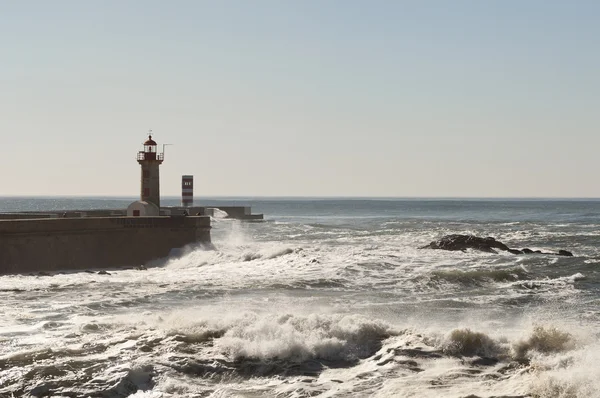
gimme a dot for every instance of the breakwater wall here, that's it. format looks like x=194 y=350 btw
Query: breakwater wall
x=236 y=212
x=51 y=244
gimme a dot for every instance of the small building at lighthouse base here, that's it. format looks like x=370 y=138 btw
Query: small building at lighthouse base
x=142 y=208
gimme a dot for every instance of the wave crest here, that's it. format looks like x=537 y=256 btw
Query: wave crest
x=544 y=340
x=465 y=342
x=298 y=338
x=479 y=276
x=269 y=254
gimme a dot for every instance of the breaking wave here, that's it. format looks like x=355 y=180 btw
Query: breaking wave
x=321 y=349
x=465 y=342
x=542 y=340
x=332 y=338
x=267 y=254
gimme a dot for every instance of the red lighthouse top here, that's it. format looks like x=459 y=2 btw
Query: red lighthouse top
x=150 y=141
x=150 y=152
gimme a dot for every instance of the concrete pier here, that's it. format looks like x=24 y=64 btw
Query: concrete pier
x=50 y=244
x=235 y=212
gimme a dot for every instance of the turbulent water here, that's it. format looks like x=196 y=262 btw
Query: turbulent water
x=327 y=298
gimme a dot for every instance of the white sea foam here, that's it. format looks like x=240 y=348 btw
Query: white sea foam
x=572 y=375
x=219 y=214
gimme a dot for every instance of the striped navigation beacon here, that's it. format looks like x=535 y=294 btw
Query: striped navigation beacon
x=187 y=191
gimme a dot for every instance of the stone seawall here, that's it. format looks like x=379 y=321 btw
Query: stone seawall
x=105 y=242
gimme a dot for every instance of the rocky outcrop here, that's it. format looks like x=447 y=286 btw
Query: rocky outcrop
x=488 y=245
x=565 y=253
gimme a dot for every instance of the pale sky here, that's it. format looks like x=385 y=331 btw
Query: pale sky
x=302 y=98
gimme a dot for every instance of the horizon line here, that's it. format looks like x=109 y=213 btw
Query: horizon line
x=317 y=197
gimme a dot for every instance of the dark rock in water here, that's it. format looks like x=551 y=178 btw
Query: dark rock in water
x=43 y=274
x=459 y=242
x=464 y=242
x=41 y=390
x=485 y=361
x=103 y=273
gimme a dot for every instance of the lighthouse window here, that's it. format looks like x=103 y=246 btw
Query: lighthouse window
x=146 y=174
x=146 y=191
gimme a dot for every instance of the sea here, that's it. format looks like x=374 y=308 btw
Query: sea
x=327 y=297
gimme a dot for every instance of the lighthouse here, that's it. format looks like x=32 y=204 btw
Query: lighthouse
x=150 y=160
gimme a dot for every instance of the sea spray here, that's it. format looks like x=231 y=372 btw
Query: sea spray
x=299 y=338
x=568 y=374
x=465 y=342
x=544 y=340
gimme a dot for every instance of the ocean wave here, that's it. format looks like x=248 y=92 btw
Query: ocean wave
x=478 y=276
x=534 y=366
x=321 y=283
x=550 y=282
x=465 y=342
x=201 y=353
x=544 y=340
x=267 y=254
x=300 y=338
x=572 y=376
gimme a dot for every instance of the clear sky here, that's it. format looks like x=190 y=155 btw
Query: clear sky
x=302 y=98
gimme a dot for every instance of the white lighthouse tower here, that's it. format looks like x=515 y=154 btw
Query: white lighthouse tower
x=150 y=160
